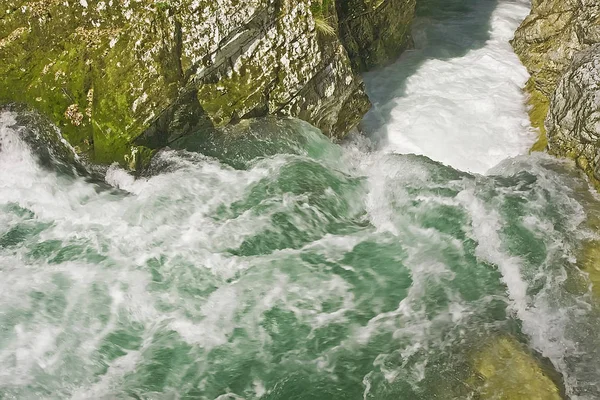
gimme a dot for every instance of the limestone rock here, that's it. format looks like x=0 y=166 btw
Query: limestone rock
x=546 y=42
x=122 y=76
x=573 y=122
x=550 y=36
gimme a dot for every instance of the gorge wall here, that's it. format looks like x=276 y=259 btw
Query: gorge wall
x=124 y=77
x=557 y=43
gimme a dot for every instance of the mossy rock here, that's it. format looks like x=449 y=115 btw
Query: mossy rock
x=538 y=105
x=547 y=42
x=123 y=78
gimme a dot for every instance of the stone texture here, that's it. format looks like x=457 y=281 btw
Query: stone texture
x=549 y=37
x=559 y=43
x=573 y=122
x=546 y=42
x=120 y=77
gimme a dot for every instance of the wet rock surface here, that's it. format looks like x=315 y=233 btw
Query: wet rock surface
x=375 y=32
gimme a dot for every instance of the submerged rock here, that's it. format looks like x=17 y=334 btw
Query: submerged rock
x=547 y=41
x=507 y=372
x=241 y=144
x=120 y=77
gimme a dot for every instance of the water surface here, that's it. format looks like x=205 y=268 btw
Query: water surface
x=278 y=265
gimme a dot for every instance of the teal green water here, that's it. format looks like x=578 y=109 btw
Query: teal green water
x=287 y=267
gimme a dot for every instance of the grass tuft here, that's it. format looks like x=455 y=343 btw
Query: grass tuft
x=324 y=27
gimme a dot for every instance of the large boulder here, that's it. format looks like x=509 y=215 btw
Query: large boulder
x=375 y=31
x=547 y=41
x=120 y=77
x=573 y=122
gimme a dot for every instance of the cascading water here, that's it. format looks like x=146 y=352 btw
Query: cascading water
x=457 y=97
x=277 y=265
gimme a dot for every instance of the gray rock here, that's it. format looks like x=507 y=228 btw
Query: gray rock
x=573 y=122
x=546 y=42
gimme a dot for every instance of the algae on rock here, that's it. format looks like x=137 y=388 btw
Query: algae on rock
x=122 y=77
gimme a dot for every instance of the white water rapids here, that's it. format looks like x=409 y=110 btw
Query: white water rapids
x=456 y=104
x=287 y=267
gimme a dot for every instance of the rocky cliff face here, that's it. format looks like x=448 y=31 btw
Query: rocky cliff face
x=121 y=77
x=547 y=42
x=573 y=122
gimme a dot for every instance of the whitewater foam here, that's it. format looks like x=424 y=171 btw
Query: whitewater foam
x=161 y=256
x=336 y=269
x=466 y=111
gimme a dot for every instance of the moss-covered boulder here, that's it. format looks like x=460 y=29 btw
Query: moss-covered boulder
x=547 y=41
x=375 y=31
x=121 y=77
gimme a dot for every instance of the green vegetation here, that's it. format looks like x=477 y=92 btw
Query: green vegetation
x=538 y=110
x=319 y=11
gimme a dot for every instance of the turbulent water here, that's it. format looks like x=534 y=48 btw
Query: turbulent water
x=277 y=265
x=460 y=89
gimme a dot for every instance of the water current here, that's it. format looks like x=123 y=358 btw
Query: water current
x=431 y=258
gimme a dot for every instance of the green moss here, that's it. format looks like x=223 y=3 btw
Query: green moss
x=319 y=8
x=106 y=75
x=230 y=98
x=538 y=110
x=162 y=5
x=57 y=62
x=51 y=93
x=113 y=119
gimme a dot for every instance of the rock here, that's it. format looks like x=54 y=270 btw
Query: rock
x=573 y=122
x=375 y=31
x=590 y=263
x=121 y=77
x=546 y=42
x=43 y=139
x=506 y=371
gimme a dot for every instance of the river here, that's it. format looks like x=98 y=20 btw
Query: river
x=431 y=258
